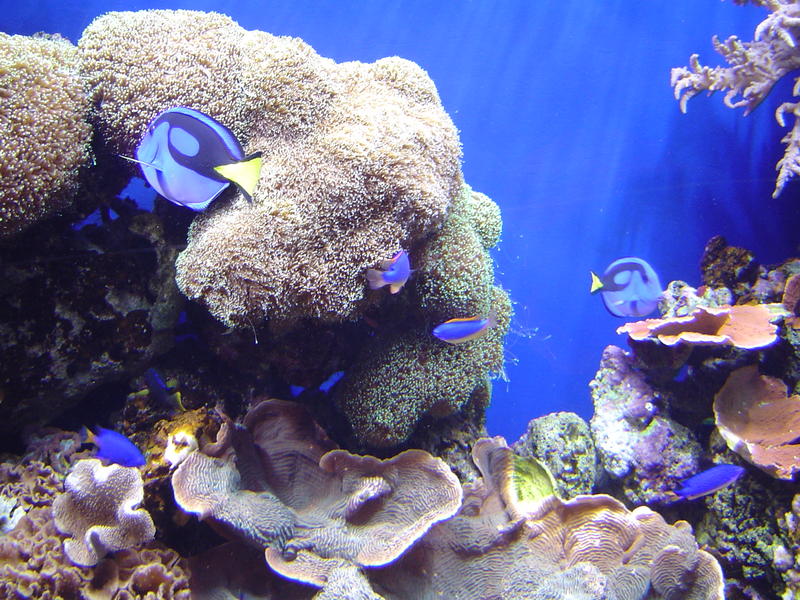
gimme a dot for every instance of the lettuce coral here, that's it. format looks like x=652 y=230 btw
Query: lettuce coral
x=98 y=510
x=590 y=547
x=359 y=159
x=44 y=128
x=276 y=484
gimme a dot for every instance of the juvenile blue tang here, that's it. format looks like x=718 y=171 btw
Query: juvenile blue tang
x=190 y=158
x=393 y=272
x=709 y=481
x=629 y=287
x=115 y=448
x=458 y=331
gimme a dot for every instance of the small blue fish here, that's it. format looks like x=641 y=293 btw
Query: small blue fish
x=458 y=331
x=393 y=272
x=629 y=287
x=156 y=387
x=115 y=448
x=190 y=158
x=166 y=395
x=709 y=481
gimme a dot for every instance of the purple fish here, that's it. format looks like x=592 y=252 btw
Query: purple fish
x=393 y=272
x=115 y=448
x=709 y=481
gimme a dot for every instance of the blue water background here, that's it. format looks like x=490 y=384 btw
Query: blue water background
x=568 y=122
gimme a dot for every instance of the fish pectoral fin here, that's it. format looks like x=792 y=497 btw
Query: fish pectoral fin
x=244 y=174
x=375 y=279
x=141 y=162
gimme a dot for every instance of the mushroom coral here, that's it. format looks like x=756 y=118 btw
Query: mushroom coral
x=43 y=127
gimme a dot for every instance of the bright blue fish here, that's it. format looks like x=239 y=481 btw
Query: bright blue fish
x=190 y=158
x=115 y=448
x=458 y=331
x=709 y=481
x=629 y=287
x=393 y=272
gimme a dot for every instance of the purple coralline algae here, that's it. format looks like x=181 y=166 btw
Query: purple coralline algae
x=638 y=443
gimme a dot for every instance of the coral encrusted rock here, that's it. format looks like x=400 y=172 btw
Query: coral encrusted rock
x=564 y=443
x=44 y=128
x=639 y=444
x=359 y=160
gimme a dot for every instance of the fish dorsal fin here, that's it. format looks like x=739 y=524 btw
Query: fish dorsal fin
x=244 y=174
x=464 y=320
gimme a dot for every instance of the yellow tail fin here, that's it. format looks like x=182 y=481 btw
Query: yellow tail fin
x=244 y=174
x=597 y=283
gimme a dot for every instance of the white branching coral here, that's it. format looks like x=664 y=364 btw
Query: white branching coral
x=754 y=68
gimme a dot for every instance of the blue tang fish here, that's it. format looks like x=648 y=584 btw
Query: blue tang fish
x=190 y=158
x=393 y=272
x=115 y=448
x=458 y=331
x=709 y=481
x=629 y=287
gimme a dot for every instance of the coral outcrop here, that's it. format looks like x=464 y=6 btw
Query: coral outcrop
x=754 y=68
x=639 y=444
x=80 y=309
x=398 y=379
x=564 y=443
x=455 y=274
x=44 y=128
x=359 y=159
x=404 y=373
x=739 y=523
x=99 y=511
